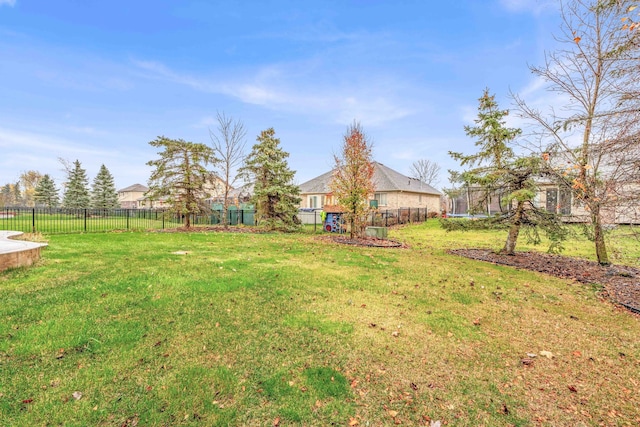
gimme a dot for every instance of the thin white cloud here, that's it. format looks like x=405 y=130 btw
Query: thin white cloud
x=527 y=6
x=10 y=3
x=46 y=143
x=284 y=88
x=39 y=151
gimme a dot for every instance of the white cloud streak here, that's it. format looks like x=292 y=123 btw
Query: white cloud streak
x=10 y=3
x=536 y=7
x=283 y=88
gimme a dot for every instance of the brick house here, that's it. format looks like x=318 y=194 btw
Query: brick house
x=393 y=190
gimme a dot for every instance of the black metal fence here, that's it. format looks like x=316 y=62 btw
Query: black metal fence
x=380 y=218
x=62 y=221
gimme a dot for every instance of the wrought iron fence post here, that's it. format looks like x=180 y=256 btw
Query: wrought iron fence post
x=85 y=220
x=33 y=220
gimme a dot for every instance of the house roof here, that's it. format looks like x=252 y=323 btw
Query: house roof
x=384 y=179
x=244 y=190
x=134 y=188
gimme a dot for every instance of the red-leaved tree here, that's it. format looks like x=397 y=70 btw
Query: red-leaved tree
x=352 y=182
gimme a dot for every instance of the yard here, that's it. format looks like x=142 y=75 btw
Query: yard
x=217 y=329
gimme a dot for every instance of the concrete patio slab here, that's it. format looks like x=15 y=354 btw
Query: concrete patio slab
x=17 y=253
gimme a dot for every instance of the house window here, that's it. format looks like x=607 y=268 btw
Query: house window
x=313 y=201
x=559 y=201
x=381 y=198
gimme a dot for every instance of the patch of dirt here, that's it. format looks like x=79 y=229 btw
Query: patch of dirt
x=363 y=241
x=213 y=228
x=621 y=283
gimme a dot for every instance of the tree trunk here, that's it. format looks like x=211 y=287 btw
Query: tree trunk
x=352 y=227
x=514 y=231
x=225 y=212
x=598 y=237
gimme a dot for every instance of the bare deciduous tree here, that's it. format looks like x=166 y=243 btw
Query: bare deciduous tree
x=426 y=171
x=228 y=145
x=588 y=143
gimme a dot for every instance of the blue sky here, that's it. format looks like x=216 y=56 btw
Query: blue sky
x=97 y=80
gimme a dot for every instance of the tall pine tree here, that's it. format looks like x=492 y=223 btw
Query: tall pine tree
x=76 y=195
x=275 y=195
x=103 y=192
x=17 y=194
x=46 y=193
x=496 y=169
x=180 y=176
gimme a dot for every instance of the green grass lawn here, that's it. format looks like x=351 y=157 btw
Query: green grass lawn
x=123 y=329
x=81 y=222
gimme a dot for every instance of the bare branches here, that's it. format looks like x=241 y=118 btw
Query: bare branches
x=426 y=171
x=228 y=145
x=599 y=114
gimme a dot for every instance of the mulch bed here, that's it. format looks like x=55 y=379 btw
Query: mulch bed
x=621 y=283
x=363 y=241
x=213 y=228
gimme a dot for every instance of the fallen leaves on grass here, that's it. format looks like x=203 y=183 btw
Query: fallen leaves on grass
x=504 y=409
x=620 y=282
x=526 y=361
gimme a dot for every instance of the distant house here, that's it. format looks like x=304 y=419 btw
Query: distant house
x=550 y=197
x=466 y=200
x=129 y=197
x=393 y=190
x=213 y=191
x=145 y=202
x=242 y=194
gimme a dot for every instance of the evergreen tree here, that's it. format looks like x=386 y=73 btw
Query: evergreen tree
x=46 y=193
x=76 y=195
x=496 y=169
x=275 y=195
x=180 y=175
x=103 y=192
x=17 y=194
